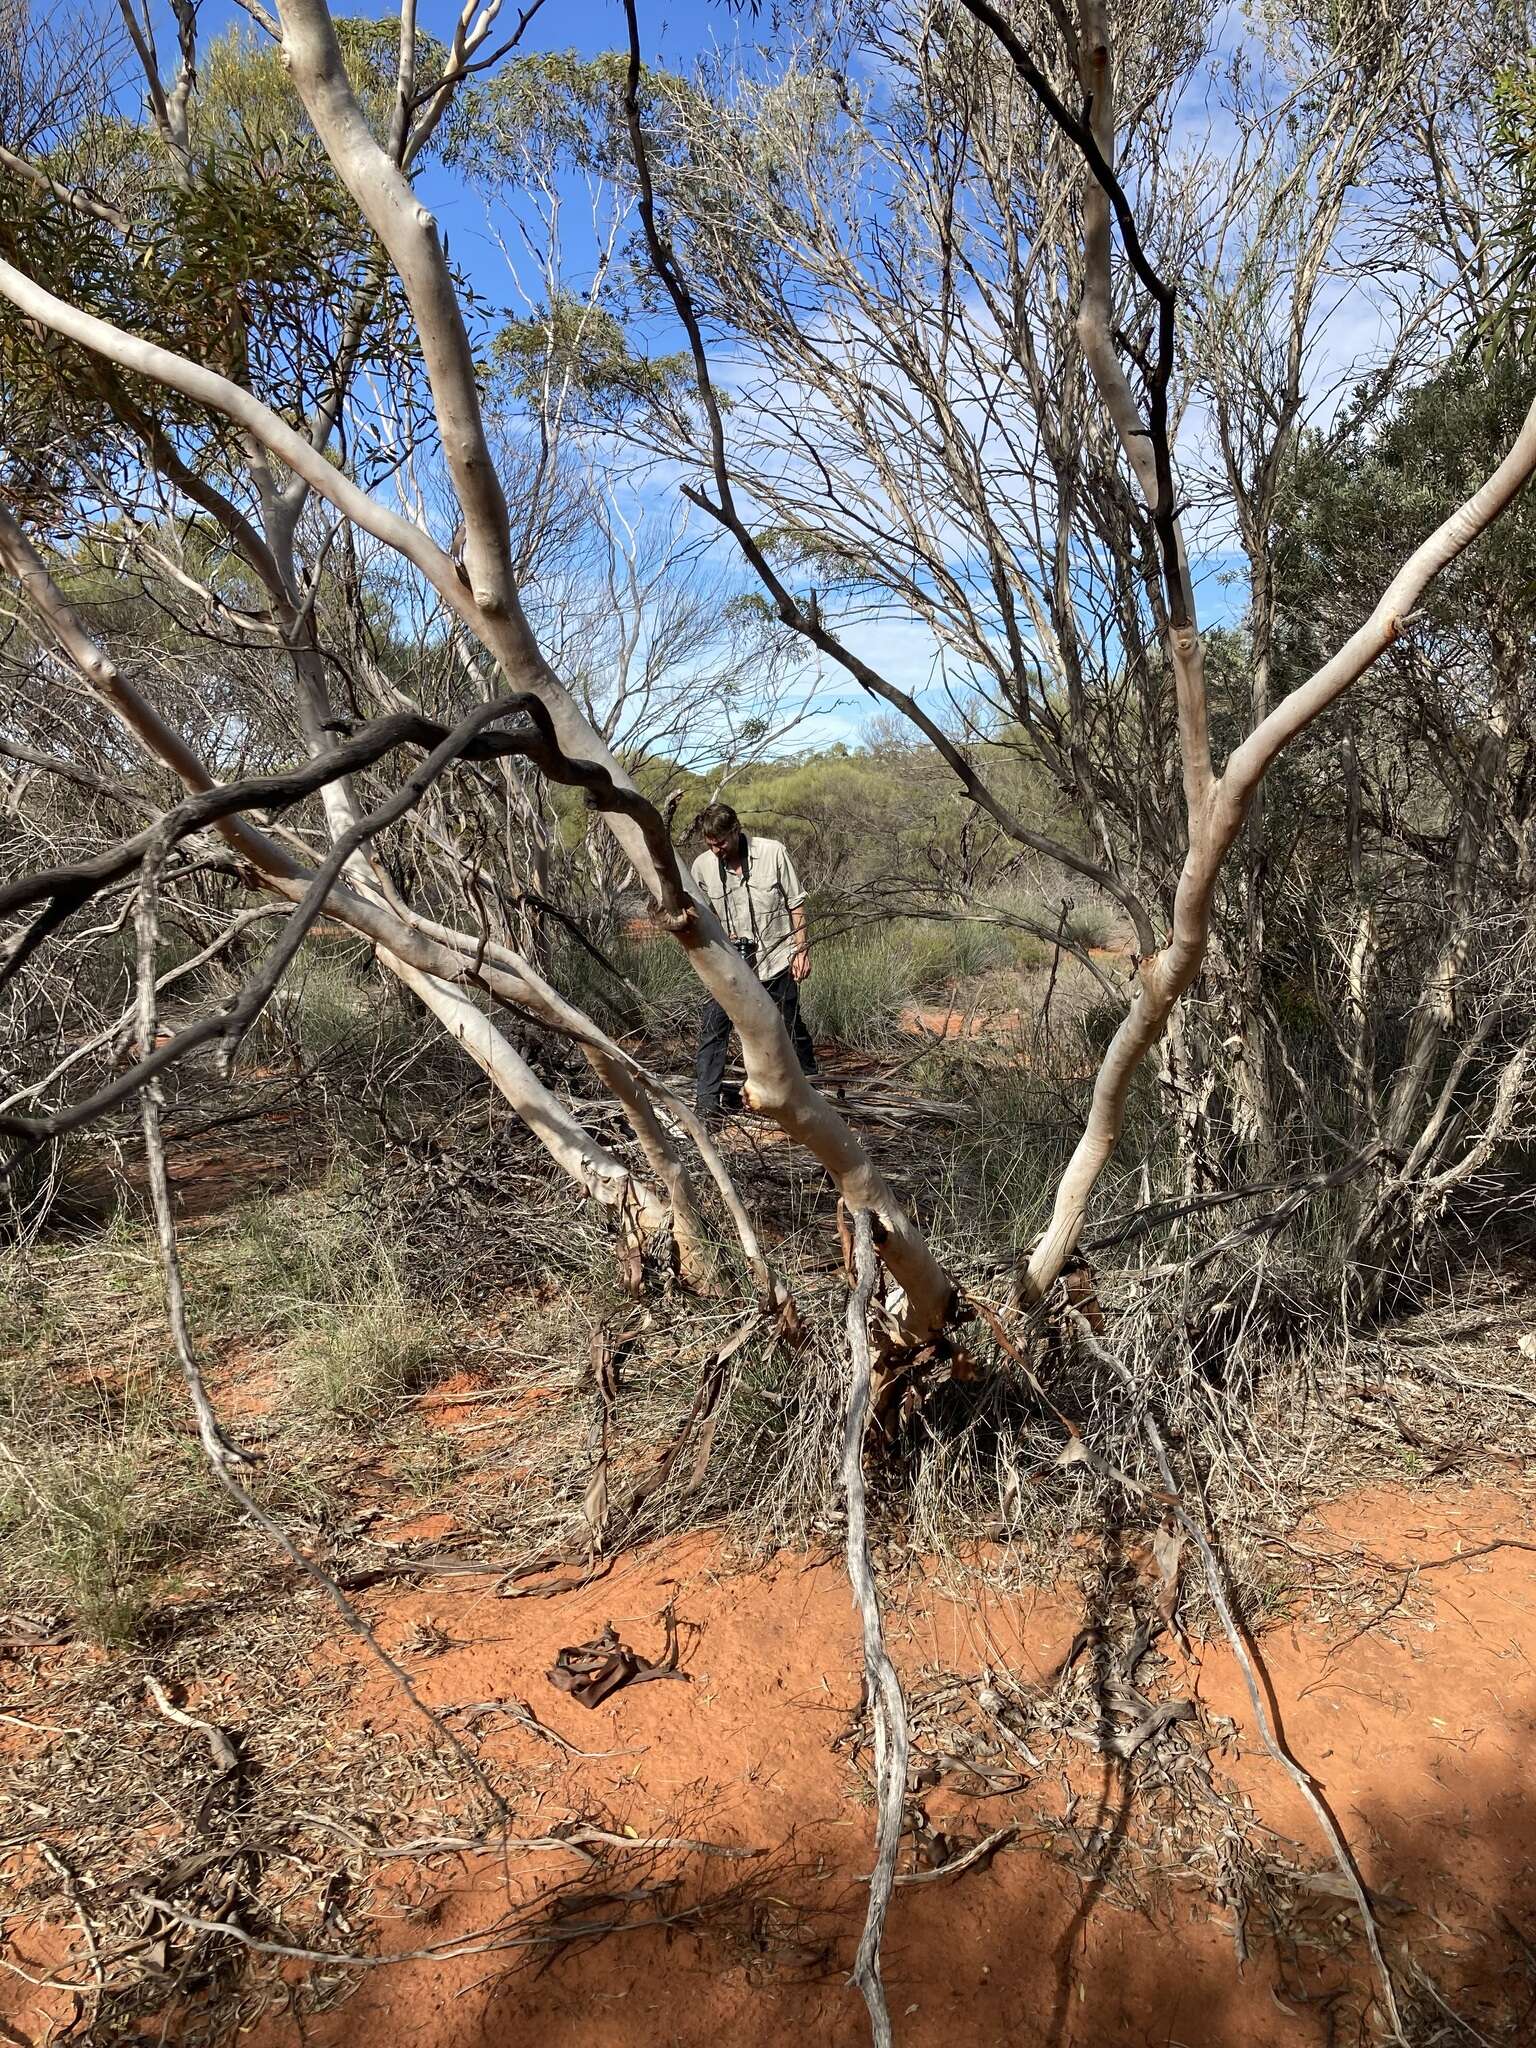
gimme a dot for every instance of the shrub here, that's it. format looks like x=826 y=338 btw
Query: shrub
x=863 y=980
x=369 y=1353
x=858 y=987
x=99 y=1499
x=1091 y=924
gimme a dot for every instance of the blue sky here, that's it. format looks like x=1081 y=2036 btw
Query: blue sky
x=676 y=33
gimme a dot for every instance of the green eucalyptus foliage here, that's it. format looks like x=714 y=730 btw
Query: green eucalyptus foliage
x=547 y=115
x=1515 y=134
x=1409 y=733
x=243 y=251
x=1357 y=498
x=578 y=350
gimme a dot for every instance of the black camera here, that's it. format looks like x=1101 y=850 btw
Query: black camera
x=747 y=948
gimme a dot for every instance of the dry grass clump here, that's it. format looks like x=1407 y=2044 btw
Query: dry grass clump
x=369 y=1352
x=106 y=1503
x=95 y=1528
x=102 y=1492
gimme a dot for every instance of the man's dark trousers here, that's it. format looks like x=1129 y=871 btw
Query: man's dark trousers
x=715 y=1032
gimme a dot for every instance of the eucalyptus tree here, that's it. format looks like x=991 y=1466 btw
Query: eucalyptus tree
x=972 y=325
x=948 y=406
x=254 y=407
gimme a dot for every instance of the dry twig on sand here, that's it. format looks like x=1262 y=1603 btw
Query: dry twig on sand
x=1246 y=1656
x=888 y=1705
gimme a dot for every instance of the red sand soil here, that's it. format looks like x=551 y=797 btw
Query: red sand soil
x=959 y=1023
x=963 y=1016
x=1417 y=1731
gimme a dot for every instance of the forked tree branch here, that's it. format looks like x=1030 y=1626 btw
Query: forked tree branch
x=233 y=1023
x=75 y=197
x=1165 y=977
x=489 y=604
x=427 y=956
x=1092 y=133
x=434 y=971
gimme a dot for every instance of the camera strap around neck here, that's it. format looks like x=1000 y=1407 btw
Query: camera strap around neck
x=746 y=883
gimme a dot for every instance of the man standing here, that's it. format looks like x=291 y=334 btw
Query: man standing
x=751 y=886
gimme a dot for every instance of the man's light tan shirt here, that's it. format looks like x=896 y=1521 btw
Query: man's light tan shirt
x=756 y=905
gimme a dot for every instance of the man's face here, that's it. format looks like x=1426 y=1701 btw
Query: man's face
x=721 y=846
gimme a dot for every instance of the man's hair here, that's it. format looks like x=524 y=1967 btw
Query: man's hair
x=718 y=821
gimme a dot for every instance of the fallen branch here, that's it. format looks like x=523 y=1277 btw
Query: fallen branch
x=487 y=1941
x=1503 y=1388
x=576 y=1841
x=73 y=1892
x=521 y=1715
x=888 y=1706
x=1247 y=1658
x=977 y=1853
